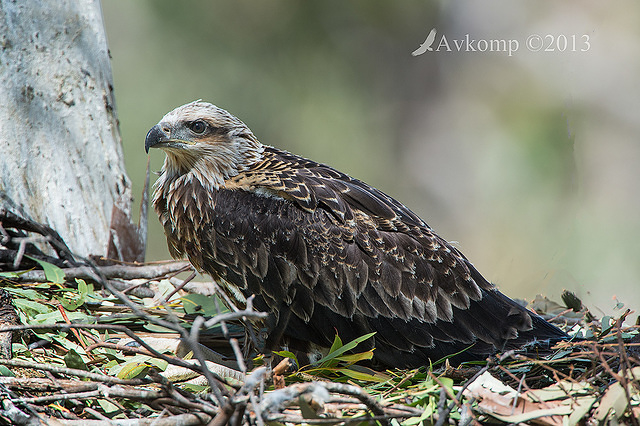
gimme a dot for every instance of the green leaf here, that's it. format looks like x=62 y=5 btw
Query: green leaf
x=83 y=289
x=158 y=328
x=351 y=345
x=72 y=299
x=111 y=364
x=26 y=293
x=51 y=272
x=607 y=324
x=133 y=370
x=561 y=354
x=9 y=275
x=73 y=360
x=55 y=316
x=71 y=304
x=353 y=358
x=4 y=371
x=287 y=354
x=200 y=305
x=30 y=307
x=359 y=375
x=194 y=388
x=19 y=348
x=337 y=344
x=108 y=407
x=447 y=383
x=144 y=360
x=160 y=364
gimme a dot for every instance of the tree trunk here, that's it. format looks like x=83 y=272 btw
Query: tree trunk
x=61 y=158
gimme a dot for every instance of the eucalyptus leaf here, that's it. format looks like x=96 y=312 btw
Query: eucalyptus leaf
x=353 y=358
x=31 y=308
x=73 y=360
x=56 y=316
x=4 y=371
x=108 y=407
x=351 y=345
x=83 y=289
x=133 y=370
x=358 y=375
x=200 y=305
x=27 y=293
x=287 y=354
x=194 y=388
x=158 y=328
x=337 y=344
x=71 y=304
x=9 y=275
x=51 y=272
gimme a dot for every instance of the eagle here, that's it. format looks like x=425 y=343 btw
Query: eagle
x=324 y=253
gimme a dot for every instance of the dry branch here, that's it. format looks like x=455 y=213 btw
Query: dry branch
x=72 y=372
x=125 y=272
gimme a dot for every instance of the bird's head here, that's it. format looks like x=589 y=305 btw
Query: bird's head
x=205 y=140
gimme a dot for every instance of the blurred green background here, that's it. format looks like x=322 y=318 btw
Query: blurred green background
x=529 y=162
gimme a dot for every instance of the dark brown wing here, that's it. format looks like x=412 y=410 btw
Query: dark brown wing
x=327 y=253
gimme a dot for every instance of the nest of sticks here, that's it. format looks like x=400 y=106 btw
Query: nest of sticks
x=94 y=341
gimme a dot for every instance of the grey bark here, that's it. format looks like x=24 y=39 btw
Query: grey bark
x=61 y=159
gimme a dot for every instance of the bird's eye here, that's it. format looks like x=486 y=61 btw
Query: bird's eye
x=198 y=126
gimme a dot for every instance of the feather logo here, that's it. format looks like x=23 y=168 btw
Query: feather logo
x=426 y=45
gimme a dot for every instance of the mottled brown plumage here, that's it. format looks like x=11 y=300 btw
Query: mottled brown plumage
x=321 y=251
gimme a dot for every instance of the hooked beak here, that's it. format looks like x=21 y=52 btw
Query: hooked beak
x=154 y=137
x=157 y=138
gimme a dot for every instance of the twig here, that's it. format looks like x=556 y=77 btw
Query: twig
x=102 y=391
x=73 y=330
x=22 y=247
x=125 y=272
x=182 y=401
x=220 y=292
x=177 y=289
x=192 y=340
x=157 y=321
x=443 y=409
x=43 y=384
x=72 y=372
x=11 y=220
x=123 y=348
x=518 y=392
x=238 y=353
x=96 y=414
x=256 y=407
x=247 y=313
x=186 y=419
x=371 y=403
x=166 y=276
x=17 y=416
